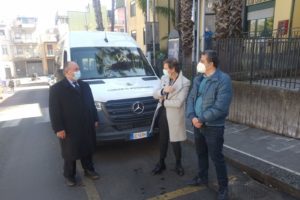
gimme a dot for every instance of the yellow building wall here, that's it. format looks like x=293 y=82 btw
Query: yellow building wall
x=282 y=11
x=163 y=25
x=296 y=17
x=137 y=23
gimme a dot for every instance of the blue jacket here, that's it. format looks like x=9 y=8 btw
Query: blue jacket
x=216 y=99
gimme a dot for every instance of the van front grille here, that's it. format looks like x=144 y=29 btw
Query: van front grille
x=130 y=113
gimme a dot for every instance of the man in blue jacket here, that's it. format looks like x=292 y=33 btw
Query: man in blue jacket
x=207 y=107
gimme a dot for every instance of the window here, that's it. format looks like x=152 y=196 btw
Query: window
x=4 y=50
x=132 y=8
x=2 y=33
x=111 y=62
x=133 y=34
x=17 y=36
x=260 y=27
x=50 y=50
x=19 y=51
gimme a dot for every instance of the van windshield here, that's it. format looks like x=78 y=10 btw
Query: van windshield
x=111 y=62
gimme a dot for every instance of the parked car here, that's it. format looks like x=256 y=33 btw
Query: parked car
x=51 y=80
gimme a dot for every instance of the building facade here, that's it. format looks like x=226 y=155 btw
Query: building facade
x=136 y=24
x=273 y=17
x=6 y=64
x=84 y=20
x=25 y=47
x=48 y=49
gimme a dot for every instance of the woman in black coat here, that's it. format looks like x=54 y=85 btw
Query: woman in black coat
x=74 y=118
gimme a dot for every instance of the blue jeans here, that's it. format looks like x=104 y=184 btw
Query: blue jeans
x=209 y=141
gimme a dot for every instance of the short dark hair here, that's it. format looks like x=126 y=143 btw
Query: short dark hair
x=212 y=56
x=173 y=64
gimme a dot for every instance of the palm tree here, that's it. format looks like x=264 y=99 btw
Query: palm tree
x=98 y=15
x=165 y=11
x=186 y=26
x=228 y=18
x=235 y=25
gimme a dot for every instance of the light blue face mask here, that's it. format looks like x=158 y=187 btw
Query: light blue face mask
x=77 y=75
x=166 y=73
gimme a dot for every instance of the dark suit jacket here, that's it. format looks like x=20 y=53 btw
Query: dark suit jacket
x=74 y=112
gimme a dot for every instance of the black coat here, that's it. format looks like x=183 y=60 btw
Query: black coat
x=74 y=112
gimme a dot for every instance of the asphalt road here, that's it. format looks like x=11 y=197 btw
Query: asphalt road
x=31 y=165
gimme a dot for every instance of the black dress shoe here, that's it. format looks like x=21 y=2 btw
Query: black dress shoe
x=179 y=170
x=71 y=182
x=197 y=181
x=159 y=168
x=91 y=174
x=223 y=194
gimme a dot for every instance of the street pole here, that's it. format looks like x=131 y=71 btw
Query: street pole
x=153 y=34
x=198 y=30
x=148 y=11
x=148 y=53
x=125 y=10
x=203 y=25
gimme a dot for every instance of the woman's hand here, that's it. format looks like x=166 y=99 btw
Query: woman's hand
x=168 y=89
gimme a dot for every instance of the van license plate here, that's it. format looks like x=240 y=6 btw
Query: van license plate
x=139 y=135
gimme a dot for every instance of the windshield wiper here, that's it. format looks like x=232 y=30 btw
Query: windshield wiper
x=91 y=78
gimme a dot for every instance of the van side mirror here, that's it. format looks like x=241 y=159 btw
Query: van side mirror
x=59 y=75
x=157 y=71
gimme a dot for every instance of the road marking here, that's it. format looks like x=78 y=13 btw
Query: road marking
x=258 y=158
x=178 y=193
x=11 y=123
x=89 y=187
x=274 y=149
x=239 y=130
x=44 y=118
x=262 y=137
x=188 y=190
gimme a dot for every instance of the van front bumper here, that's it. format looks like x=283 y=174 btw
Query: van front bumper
x=111 y=134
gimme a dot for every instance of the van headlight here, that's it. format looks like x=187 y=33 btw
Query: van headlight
x=98 y=105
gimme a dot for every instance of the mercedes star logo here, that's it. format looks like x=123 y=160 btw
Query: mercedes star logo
x=138 y=107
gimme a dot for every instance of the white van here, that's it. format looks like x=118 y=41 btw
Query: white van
x=121 y=79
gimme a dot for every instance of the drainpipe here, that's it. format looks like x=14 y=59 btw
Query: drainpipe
x=291 y=18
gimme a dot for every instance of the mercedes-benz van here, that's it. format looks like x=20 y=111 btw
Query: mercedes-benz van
x=121 y=79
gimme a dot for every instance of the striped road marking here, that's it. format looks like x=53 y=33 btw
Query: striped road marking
x=11 y=123
x=89 y=186
x=188 y=190
x=178 y=193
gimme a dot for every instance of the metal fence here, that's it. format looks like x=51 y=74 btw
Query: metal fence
x=265 y=61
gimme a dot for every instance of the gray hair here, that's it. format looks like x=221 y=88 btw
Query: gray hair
x=68 y=65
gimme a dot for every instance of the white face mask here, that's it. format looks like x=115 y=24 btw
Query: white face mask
x=77 y=75
x=166 y=73
x=201 y=68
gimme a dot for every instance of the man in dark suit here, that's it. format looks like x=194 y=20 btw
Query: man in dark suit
x=74 y=120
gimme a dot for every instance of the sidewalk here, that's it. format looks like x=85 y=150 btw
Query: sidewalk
x=269 y=158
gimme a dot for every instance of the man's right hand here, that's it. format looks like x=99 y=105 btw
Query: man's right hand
x=61 y=134
x=196 y=123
